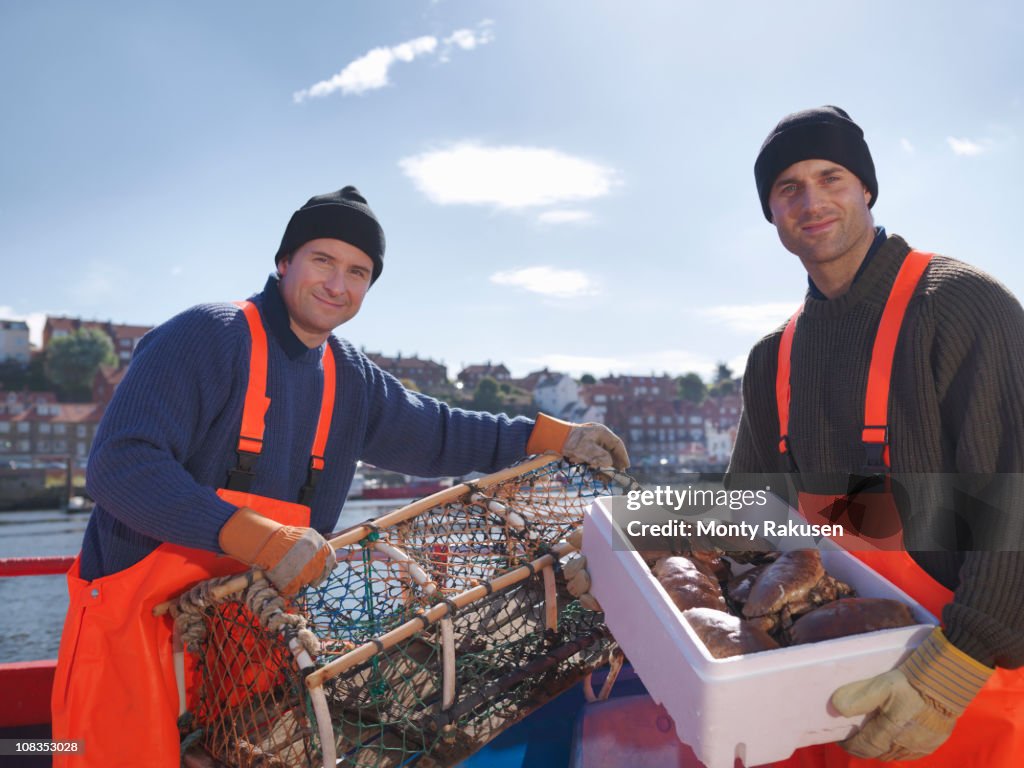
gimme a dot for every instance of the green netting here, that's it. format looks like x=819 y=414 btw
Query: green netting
x=463 y=670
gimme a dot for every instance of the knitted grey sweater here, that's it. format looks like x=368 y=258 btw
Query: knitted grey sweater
x=956 y=417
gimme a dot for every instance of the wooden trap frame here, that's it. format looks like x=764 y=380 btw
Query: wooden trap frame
x=442 y=624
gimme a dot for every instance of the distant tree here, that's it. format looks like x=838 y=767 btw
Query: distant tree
x=37 y=380
x=723 y=373
x=13 y=374
x=724 y=383
x=722 y=388
x=505 y=387
x=72 y=362
x=486 y=397
x=692 y=387
x=587 y=378
x=410 y=385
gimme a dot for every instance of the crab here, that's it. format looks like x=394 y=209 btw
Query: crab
x=687 y=584
x=791 y=586
x=715 y=555
x=849 y=616
x=726 y=635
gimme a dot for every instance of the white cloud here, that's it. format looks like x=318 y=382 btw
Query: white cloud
x=746 y=318
x=36 y=323
x=469 y=39
x=371 y=70
x=564 y=216
x=907 y=146
x=506 y=176
x=674 y=362
x=967 y=147
x=548 y=281
x=576 y=365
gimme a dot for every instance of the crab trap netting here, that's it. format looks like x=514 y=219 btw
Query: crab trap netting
x=442 y=624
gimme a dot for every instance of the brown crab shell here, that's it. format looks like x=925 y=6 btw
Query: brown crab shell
x=726 y=635
x=718 y=568
x=849 y=616
x=787 y=580
x=708 y=560
x=652 y=556
x=687 y=585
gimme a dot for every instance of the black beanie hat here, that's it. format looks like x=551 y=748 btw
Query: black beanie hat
x=824 y=133
x=342 y=215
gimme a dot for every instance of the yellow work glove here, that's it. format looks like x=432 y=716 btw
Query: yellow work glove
x=577 y=578
x=290 y=556
x=589 y=443
x=915 y=705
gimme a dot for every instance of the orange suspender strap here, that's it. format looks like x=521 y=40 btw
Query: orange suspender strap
x=256 y=401
x=782 y=386
x=876 y=402
x=323 y=427
x=254 y=411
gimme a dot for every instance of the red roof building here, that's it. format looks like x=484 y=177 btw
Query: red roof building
x=427 y=375
x=124 y=337
x=472 y=375
x=33 y=425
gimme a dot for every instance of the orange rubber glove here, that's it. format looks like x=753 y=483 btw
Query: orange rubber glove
x=915 y=705
x=589 y=443
x=290 y=556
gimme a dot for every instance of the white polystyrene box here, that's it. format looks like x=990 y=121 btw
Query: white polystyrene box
x=759 y=707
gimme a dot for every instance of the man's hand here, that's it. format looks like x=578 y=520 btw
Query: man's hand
x=577 y=578
x=291 y=557
x=915 y=705
x=589 y=443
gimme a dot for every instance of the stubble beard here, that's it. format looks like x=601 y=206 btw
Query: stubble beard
x=843 y=244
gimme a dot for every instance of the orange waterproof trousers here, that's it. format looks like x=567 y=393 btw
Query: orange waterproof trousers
x=115 y=688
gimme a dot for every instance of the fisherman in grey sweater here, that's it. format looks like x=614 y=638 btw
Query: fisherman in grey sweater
x=955 y=406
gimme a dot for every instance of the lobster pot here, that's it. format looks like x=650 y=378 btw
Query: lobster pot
x=504 y=663
x=250 y=705
x=442 y=624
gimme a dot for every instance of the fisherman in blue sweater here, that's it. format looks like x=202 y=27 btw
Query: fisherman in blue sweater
x=231 y=442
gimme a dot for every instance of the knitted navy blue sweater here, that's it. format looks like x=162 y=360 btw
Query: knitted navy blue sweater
x=168 y=438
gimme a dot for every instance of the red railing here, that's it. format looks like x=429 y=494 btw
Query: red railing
x=27 y=684
x=35 y=566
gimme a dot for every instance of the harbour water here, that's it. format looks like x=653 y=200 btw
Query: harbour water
x=32 y=608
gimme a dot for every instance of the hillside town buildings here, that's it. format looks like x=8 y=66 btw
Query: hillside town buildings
x=36 y=429
x=471 y=376
x=426 y=375
x=124 y=337
x=661 y=429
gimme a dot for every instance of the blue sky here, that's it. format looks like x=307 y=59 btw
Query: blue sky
x=561 y=183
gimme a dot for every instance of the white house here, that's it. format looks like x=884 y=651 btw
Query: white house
x=555 y=392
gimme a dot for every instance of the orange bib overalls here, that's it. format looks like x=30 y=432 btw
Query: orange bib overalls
x=990 y=733
x=114 y=687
